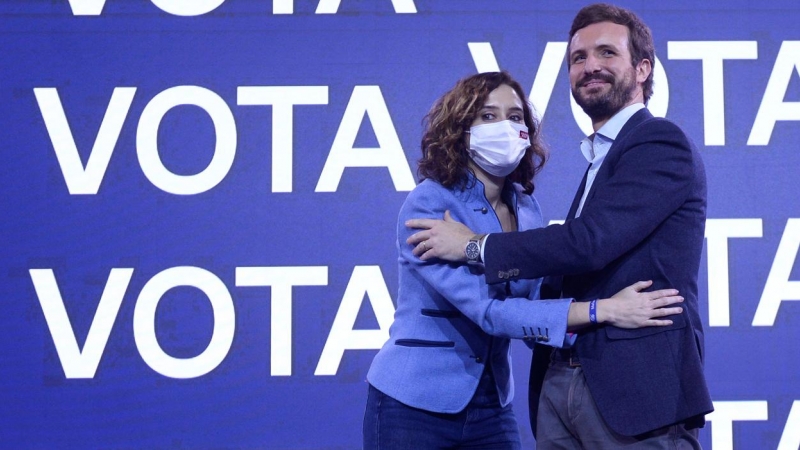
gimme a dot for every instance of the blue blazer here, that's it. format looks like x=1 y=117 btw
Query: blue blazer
x=644 y=219
x=449 y=324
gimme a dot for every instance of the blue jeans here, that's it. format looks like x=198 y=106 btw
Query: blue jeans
x=483 y=424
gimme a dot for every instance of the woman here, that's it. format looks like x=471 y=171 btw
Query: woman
x=443 y=379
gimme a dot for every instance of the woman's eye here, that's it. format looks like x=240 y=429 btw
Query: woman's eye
x=515 y=118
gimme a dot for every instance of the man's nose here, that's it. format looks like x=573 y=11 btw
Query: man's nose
x=592 y=64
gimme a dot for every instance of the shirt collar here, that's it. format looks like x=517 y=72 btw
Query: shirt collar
x=595 y=146
x=612 y=128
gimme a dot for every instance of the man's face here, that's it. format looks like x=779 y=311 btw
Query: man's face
x=601 y=74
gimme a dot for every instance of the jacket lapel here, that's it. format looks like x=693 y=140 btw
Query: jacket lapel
x=577 y=200
x=636 y=119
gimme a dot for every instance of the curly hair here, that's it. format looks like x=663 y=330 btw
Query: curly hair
x=640 y=39
x=445 y=157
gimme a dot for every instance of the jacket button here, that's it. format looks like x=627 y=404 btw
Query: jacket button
x=478 y=360
x=484 y=210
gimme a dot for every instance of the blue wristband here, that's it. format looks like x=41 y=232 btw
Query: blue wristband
x=593 y=311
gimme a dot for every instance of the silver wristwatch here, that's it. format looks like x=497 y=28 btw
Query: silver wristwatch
x=473 y=249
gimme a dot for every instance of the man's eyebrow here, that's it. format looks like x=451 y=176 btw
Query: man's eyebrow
x=607 y=46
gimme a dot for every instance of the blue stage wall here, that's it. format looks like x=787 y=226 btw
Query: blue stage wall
x=199 y=202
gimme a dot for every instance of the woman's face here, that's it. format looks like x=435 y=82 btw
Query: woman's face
x=498 y=148
x=502 y=103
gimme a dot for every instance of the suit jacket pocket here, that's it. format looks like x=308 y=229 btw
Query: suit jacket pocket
x=678 y=322
x=423 y=343
x=440 y=313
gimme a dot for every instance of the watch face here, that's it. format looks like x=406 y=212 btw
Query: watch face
x=473 y=251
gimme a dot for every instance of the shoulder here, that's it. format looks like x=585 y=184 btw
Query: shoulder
x=428 y=192
x=657 y=128
x=429 y=198
x=658 y=143
x=428 y=188
x=656 y=137
x=661 y=124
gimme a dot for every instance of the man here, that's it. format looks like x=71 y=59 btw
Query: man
x=639 y=214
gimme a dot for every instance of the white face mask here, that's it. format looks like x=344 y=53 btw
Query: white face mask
x=498 y=147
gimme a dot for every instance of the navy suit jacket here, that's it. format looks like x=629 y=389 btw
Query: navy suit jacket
x=644 y=219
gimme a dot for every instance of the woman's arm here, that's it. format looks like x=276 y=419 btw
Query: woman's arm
x=465 y=288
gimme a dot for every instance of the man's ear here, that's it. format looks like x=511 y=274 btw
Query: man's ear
x=643 y=70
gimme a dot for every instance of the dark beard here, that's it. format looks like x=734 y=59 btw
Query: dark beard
x=606 y=105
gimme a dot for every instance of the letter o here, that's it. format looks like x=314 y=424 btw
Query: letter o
x=144 y=332
x=187 y=7
x=147 y=140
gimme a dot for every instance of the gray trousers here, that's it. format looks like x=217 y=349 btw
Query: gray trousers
x=568 y=419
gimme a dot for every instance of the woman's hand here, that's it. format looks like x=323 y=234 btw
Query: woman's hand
x=632 y=308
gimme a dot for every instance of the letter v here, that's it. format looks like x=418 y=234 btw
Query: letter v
x=78 y=179
x=546 y=75
x=79 y=363
x=87 y=7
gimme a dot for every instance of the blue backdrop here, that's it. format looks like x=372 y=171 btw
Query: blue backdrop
x=199 y=202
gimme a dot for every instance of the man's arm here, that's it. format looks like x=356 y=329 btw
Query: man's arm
x=644 y=184
x=650 y=180
x=463 y=287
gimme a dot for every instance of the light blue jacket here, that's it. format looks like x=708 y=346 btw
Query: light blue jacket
x=449 y=323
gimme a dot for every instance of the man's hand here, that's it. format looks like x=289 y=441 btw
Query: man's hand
x=633 y=308
x=443 y=239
